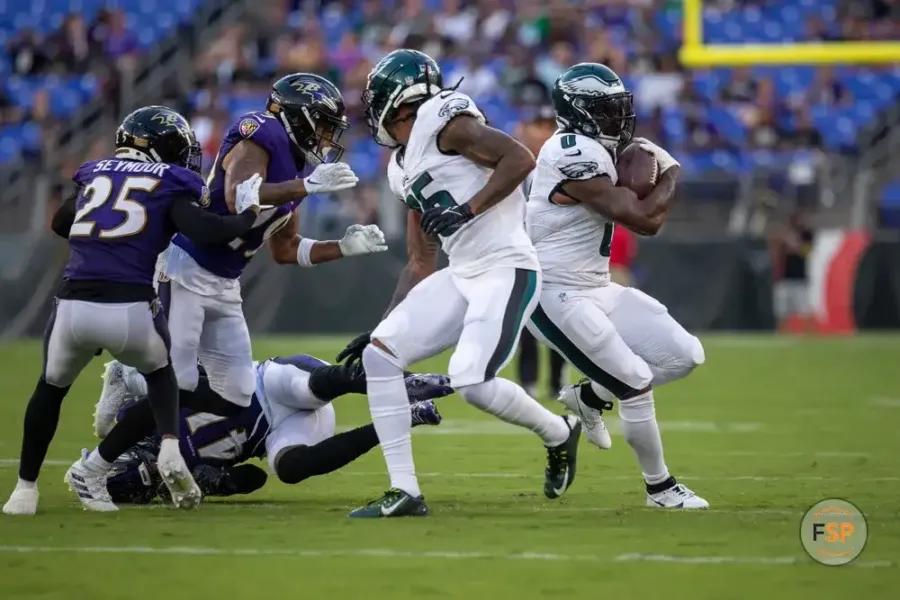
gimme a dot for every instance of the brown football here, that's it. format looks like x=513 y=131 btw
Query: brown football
x=637 y=169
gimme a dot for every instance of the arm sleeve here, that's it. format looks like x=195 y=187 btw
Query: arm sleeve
x=64 y=216
x=205 y=227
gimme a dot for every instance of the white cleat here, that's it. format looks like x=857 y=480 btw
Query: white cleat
x=21 y=502
x=90 y=486
x=177 y=477
x=112 y=398
x=677 y=496
x=594 y=428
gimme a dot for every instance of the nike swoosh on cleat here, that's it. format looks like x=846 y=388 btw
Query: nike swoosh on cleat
x=560 y=492
x=389 y=510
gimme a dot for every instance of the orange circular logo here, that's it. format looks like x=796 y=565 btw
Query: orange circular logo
x=834 y=532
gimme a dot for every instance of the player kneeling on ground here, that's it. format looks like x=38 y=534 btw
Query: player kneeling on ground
x=290 y=421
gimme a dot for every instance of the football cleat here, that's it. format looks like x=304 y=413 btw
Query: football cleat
x=425 y=413
x=394 y=503
x=674 y=496
x=562 y=460
x=183 y=490
x=594 y=428
x=112 y=397
x=89 y=485
x=22 y=502
x=427 y=387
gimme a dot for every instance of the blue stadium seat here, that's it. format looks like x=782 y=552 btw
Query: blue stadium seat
x=67 y=94
x=890 y=205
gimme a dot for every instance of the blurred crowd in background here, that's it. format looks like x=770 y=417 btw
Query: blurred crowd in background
x=507 y=54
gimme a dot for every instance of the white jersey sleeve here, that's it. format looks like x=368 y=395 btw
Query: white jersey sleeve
x=572 y=157
x=439 y=110
x=572 y=241
x=395 y=176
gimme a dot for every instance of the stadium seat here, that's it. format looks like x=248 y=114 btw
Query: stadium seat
x=45 y=17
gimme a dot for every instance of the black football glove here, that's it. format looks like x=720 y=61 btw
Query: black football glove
x=446 y=221
x=352 y=353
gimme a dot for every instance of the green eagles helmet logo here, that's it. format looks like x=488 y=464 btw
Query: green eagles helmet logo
x=592 y=85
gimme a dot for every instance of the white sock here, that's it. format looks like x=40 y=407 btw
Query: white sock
x=510 y=403
x=26 y=485
x=96 y=464
x=638 y=419
x=134 y=382
x=389 y=407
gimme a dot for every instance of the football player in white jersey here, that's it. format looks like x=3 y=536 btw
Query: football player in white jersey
x=622 y=340
x=460 y=180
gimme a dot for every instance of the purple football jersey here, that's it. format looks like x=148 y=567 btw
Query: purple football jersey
x=210 y=439
x=229 y=260
x=122 y=222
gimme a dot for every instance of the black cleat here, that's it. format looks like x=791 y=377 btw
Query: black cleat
x=561 y=461
x=394 y=503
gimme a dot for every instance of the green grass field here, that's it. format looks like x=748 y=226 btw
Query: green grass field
x=767 y=427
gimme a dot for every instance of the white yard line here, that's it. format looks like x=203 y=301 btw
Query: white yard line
x=431 y=554
x=885 y=402
x=14 y=462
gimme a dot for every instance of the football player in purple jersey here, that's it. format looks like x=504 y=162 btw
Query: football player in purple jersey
x=294 y=145
x=290 y=422
x=123 y=213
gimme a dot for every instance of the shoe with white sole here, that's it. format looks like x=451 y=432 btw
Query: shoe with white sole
x=89 y=485
x=592 y=418
x=112 y=397
x=185 y=492
x=21 y=502
x=674 y=496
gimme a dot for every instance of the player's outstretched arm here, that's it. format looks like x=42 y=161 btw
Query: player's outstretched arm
x=488 y=147
x=208 y=228
x=287 y=247
x=247 y=158
x=204 y=227
x=421 y=259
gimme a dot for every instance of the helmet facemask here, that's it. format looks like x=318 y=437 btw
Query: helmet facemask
x=315 y=133
x=609 y=119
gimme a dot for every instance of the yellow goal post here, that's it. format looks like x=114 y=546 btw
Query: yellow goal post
x=695 y=54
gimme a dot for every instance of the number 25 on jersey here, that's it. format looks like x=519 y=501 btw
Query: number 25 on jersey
x=99 y=192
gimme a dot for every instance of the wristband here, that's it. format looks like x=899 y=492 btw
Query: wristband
x=303 y=252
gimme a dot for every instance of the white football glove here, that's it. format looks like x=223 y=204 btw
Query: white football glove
x=330 y=177
x=247 y=197
x=662 y=157
x=362 y=239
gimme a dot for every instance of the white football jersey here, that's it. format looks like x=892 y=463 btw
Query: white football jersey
x=572 y=241
x=425 y=177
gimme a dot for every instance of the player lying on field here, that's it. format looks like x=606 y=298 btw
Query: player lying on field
x=290 y=421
